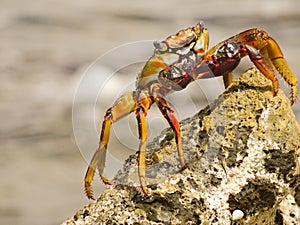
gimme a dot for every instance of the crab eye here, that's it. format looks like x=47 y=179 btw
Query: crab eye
x=199 y=27
x=161 y=46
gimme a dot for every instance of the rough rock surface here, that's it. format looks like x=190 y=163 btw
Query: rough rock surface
x=243 y=154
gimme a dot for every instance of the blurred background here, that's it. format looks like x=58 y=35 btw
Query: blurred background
x=48 y=48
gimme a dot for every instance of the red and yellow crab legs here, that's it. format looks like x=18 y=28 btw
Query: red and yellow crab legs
x=126 y=104
x=122 y=107
x=262 y=50
x=278 y=61
x=141 y=113
x=145 y=103
x=168 y=113
x=272 y=56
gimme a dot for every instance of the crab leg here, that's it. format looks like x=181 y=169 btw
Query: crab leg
x=122 y=107
x=271 y=53
x=168 y=113
x=281 y=65
x=141 y=113
x=227 y=79
x=263 y=66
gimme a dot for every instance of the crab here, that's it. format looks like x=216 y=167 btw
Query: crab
x=177 y=61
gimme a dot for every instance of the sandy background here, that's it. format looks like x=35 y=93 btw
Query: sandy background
x=45 y=47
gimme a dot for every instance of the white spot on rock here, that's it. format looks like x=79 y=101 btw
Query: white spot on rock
x=237 y=214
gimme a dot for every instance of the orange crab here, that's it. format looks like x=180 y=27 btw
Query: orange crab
x=177 y=61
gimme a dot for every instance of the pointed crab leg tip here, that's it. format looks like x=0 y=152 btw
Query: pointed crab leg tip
x=108 y=183
x=92 y=198
x=145 y=192
x=147 y=195
x=89 y=191
x=293 y=95
x=293 y=101
x=105 y=180
x=90 y=195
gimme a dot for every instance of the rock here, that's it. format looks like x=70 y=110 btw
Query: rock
x=243 y=157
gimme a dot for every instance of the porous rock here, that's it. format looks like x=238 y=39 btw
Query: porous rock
x=242 y=153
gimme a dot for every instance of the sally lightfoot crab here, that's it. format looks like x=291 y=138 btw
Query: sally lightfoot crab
x=177 y=61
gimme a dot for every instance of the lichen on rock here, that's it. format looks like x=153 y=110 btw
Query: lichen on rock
x=243 y=155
